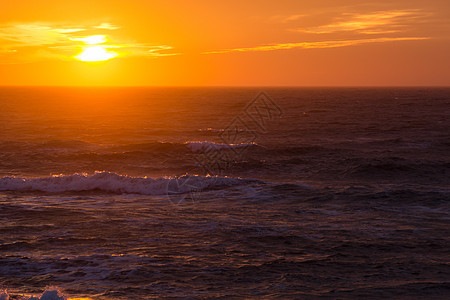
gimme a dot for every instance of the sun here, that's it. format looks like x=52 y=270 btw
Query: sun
x=92 y=51
x=96 y=53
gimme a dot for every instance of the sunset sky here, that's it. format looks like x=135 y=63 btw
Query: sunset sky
x=225 y=43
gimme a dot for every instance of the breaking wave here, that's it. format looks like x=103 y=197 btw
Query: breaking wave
x=122 y=184
x=52 y=293
x=208 y=146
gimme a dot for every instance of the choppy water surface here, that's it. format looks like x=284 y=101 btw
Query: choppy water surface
x=204 y=193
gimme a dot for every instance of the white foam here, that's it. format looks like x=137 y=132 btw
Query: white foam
x=115 y=183
x=208 y=146
x=212 y=130
x=52 y=293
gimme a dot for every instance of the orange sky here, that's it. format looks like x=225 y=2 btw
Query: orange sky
x=223 y=43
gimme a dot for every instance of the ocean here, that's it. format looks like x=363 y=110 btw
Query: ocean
x=202 y=193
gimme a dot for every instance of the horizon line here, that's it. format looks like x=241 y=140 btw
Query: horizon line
x=226 y=86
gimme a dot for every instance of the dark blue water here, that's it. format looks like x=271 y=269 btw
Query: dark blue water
x=140 y=193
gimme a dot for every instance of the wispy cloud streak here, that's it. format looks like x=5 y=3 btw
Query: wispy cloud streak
x=315 y=45
x=370 y=23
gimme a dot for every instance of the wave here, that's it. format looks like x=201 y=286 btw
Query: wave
x=208 y=146
x=51 y=293
x=396 y=168
x=152 y=146
x=211 y=130
x=122 y=184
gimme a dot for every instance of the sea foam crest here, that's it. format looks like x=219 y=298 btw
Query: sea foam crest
x=115 y=183
x=51 y=293
x=205 y=146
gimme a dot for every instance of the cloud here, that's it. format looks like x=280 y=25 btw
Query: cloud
x=371 y=23
x=149 y=50
x=92 y=39
x=156 y=51
x=68 y=30
x=36 y=41
x=34 y=34
x=108 y=26
x=313 y=45
x=286 y=19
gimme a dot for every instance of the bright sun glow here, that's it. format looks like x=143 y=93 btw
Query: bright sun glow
x=96 y=53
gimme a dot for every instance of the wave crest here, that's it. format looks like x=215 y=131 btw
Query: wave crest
x=115 y=183
x=51 y=293
x=208 y=146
